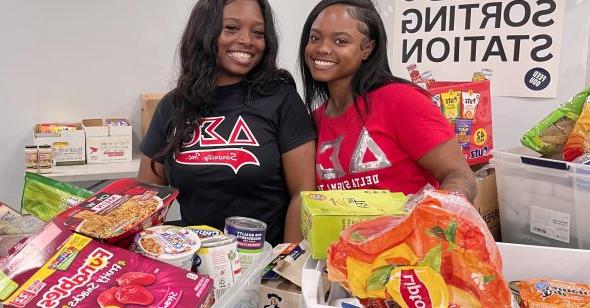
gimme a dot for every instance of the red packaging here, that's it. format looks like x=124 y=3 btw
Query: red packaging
x=473 y=115
x=58 y=268
x=120 y=210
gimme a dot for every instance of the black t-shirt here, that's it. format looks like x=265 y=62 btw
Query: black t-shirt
x=232 y=166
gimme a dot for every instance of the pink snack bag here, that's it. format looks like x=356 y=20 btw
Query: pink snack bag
x=58 y=268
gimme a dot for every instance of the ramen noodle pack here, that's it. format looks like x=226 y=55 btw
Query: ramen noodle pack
x=468 y=107
x=58 y=268
x=440 y=255
x=539 y=293
x=120 y=210
x=549 y=136
x=578 y=142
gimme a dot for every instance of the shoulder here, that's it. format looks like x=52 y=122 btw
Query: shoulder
x=400 y=96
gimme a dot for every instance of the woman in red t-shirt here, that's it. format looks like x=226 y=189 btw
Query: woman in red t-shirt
x=375 y=130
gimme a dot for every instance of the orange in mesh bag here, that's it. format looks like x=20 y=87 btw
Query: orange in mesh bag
x=440 y=255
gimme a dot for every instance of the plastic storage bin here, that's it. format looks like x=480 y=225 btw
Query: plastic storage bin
x=520 y=262
x=244 y=294
x=542 y=201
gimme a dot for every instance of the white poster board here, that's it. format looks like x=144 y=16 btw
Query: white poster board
x=519 y=40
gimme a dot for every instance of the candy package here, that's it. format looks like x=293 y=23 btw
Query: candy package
x=578 y=142
x=549 y=136
x=441 y=254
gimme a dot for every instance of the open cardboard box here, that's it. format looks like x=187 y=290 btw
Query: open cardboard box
x=107 y=143
x=281 y=286
x=68 y=145
x=520 y=262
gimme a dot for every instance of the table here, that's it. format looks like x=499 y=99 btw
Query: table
x=95 y=172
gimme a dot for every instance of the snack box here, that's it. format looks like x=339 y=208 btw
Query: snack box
x=58 y=268
x=120 y=210
x=107 y=140
x=68 y=142
x=324 y=214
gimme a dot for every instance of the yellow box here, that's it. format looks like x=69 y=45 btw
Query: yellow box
x=324 y=214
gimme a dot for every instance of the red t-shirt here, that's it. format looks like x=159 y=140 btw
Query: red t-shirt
x=382 y=151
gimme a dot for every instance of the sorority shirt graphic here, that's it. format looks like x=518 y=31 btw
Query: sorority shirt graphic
x=381 y=151
x=232 y=165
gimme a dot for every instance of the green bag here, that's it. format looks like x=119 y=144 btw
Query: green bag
x=549 y=135
x=44 y=197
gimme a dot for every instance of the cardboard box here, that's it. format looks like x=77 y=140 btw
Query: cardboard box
x=281 y=284
x=68 y=146
x=107 y=143
x=149 y=102
x=324 y=214
x=486 y=203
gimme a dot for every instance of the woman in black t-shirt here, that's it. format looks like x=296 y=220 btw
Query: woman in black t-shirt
x=233 y=136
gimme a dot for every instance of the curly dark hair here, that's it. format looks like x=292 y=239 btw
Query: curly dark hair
x=199 y=68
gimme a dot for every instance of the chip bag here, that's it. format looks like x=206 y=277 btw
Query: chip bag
x=44 y=197
x=549 y=136
x=441 y=255
x=578 y=142
x=550 y=293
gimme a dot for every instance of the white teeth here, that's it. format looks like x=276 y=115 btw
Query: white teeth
x=323 y=63
x=240 y=56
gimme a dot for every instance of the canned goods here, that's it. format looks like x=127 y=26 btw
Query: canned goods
x=204 y=231
x=218 y=258
x=250 y=233
x=170 y=244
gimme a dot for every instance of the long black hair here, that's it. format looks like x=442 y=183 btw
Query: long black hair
x=374 y=71
x=199 y=68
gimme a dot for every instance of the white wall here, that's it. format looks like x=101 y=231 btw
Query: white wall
x=64 y=60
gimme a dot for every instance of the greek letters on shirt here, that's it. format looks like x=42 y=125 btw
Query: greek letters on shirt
x=225 y=153
x=356 y=165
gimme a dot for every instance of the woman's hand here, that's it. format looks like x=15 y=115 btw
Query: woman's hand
x=299 y=170
x=447 y=164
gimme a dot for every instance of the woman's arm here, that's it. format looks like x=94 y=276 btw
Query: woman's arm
x=146 y=174
x=299 y=169
x=447 y=164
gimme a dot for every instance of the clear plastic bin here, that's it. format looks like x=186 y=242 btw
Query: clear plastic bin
x=542 y=201
x=244 y=294
x=519 y=262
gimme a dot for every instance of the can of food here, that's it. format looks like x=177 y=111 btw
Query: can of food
x=204 y=231
x=219 y=259
x=250 y=233
x=170 y=244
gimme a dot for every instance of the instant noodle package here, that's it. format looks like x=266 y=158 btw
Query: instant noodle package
x=440 y=255
x=120 y=210
x=58 y=268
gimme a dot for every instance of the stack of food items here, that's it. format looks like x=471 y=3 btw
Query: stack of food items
x=111 y=250
x=565 y=132
x=440 y=255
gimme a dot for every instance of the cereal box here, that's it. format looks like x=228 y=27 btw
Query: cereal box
x=58 y=268
x=120 y=210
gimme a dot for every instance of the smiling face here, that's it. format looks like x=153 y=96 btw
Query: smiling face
x=336 y=48
x=241 y=43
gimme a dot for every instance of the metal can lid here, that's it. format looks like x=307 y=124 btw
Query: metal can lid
x=245 y=223
x=219 y=240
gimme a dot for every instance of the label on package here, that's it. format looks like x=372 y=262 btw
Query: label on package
x=248 y=240
x=551 y=224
